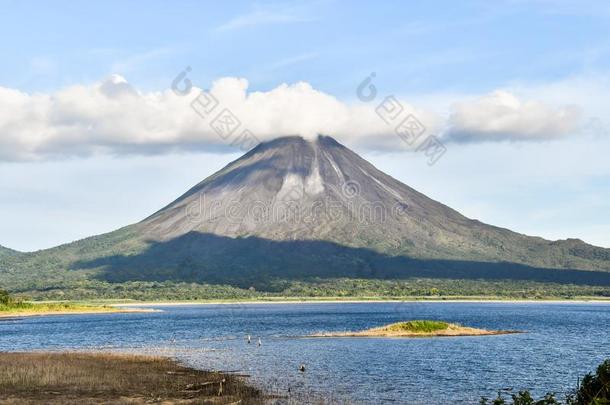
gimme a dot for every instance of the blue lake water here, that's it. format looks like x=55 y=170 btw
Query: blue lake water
x=562 y=343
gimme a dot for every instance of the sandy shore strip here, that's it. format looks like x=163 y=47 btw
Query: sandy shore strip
x=92 y=311
x=356 y=301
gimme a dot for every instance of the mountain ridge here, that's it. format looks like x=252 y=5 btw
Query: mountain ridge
x=7 y=251
x=293 y=194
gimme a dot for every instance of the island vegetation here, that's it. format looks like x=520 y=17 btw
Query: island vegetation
x=417 y=328
x=85 y=378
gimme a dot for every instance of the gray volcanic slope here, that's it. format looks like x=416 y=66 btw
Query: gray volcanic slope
x=290 y=188
x=291 y=209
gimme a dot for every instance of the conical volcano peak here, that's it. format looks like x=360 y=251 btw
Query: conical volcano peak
x=291 y=155
x=328 y=141
x=279 y=142
x=284 y=141
x=320 y=182
x=319 y=190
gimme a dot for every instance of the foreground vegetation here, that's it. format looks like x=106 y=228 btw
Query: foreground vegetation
x=96 y=378
x=594 y=389
x=77 y=378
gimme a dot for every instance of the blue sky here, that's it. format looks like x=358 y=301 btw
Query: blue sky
x=416 y=46
x=459 y=63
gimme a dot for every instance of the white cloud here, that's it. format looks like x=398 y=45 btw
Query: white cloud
x=502 y=116
x=111 y=117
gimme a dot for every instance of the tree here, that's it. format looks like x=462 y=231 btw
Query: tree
x=5 y=298
x=594 y=388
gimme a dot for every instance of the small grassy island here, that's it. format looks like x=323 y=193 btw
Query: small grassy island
x=418 y=328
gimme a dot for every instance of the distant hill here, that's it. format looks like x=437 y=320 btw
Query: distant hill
x=6 y=251
x=293 y=210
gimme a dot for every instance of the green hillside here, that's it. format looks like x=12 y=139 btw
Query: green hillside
x=6 y=251
x=198 y=266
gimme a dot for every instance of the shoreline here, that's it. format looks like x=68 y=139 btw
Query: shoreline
x=129 y=306
x=93 y=311
x=357 y=301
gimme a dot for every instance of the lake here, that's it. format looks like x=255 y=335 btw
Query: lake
x=562 y=343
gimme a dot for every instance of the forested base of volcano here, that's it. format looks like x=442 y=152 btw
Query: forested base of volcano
x=124 y=265
x=316 y=289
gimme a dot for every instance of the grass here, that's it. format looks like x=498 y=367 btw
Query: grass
x=77 y=378
x=417 y=326
x=10 y=306
x=34 y=308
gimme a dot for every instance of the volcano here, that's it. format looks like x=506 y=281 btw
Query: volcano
x=293 y=208
x=294 y=189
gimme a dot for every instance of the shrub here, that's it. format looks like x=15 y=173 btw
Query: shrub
x=5 y=298
x=594 y=389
